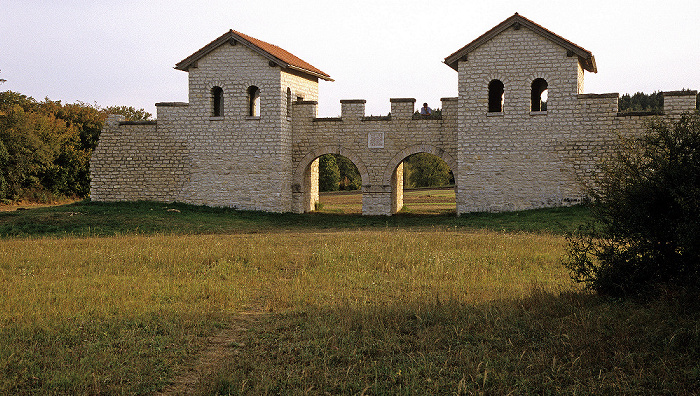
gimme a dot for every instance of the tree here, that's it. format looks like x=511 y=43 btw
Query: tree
x=329 y=175
x=45 y=147
x=426 y=170
x=350 y=178
x=129 y=112
x=640 y=101
x=647 y=205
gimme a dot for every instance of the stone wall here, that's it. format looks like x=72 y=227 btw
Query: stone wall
x=137 y=161
x=376 y=145
x=519 y=159
x=511 y=159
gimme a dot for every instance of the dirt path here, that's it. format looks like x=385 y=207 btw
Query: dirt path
x=218 y=349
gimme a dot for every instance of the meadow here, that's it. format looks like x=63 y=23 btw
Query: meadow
x=148 y=298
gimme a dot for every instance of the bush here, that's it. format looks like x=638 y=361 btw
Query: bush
x=646 y=238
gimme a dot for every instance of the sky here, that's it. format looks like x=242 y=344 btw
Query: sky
x=123 y=52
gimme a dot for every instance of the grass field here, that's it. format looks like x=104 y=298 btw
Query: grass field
x=146 y=298
x=418 y=201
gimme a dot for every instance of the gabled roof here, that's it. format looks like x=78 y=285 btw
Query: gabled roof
x=273 y=53
x=585 y=57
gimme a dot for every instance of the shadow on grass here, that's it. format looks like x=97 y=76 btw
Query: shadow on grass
x=570 y=343
x=108 y=219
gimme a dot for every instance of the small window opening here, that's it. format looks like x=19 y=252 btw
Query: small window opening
x=253 y=101
x=539 y=95
x=217 y=95
x=289 y=102
x=496 y=94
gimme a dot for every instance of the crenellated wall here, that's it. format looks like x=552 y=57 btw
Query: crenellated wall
x=376 y=145
x=509 y=155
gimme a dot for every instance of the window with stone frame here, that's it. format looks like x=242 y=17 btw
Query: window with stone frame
x=217 y=102
x=253 y=101
x=496 y=96
x=538 y=95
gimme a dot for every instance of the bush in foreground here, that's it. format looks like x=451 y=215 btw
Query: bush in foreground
x=646 y=238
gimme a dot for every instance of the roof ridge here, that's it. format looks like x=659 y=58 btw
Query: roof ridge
x=273 y=52
x=585 y=56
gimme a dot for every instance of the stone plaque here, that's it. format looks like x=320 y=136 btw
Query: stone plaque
x=375 y=140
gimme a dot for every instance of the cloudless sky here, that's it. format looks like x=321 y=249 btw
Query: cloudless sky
x=112 y=52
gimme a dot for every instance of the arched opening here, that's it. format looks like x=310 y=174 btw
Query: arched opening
x=305 y=184
x=339 y=185
x=428 y=185
x=217 y=98
x=496 y=96
x=538 y=97
x=253 y=101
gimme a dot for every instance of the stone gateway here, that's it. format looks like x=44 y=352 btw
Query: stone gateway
x=521 y=134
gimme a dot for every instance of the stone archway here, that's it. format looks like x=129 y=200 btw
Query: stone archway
x=305 y=177
x=393 y=173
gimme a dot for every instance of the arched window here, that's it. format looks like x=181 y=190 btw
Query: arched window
x=538 y=96
x=495 y=96
x=253 y=101
x=217 y=98
x=289 y=102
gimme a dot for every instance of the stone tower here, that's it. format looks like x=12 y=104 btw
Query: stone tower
x=235 y=131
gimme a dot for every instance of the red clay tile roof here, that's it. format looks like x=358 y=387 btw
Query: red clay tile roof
x=272 y=52
x=585 y=57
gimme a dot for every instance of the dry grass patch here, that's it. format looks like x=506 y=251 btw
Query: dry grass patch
x=89 y=315
x=378 y=311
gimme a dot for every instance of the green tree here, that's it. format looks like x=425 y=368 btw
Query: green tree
x=329 y=174
x=640 y=101
x=4 y=160
x=350 y=178
x=647 y=206
x=129 y=112
x=426 y=170
x=46 y=146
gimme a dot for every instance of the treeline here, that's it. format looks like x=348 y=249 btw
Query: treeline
x=640 y=101
x=45 y=147
x=337 y=173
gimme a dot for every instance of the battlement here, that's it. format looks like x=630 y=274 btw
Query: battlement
x=521 y=134
x=353 y=110
x=675 y=103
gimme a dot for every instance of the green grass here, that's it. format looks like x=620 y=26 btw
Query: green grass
x=120 y=299
x=148 y=218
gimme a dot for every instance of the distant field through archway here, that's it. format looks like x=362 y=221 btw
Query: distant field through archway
x=429 y=200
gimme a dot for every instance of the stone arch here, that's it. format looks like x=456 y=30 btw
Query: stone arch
x=301 y=186
x=505 y=86
x=225 y=94
x=419 y=148
x=538 y=89
x=393 y=173
x=298 y=177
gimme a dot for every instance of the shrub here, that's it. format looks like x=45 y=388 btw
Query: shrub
x=646 y=237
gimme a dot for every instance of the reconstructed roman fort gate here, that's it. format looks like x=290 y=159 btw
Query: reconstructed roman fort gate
x=250 y=138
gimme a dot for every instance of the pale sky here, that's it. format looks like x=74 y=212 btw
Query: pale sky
x=123 y=52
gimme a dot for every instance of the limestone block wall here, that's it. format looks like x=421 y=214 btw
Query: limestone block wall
x=137 y=161
x=508 y=160
x=376 y=145
x=238 y=159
